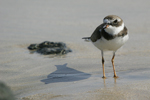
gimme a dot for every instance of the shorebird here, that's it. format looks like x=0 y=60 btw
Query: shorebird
x=109 y=36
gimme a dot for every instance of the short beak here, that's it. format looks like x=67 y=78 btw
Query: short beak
x=106 y=26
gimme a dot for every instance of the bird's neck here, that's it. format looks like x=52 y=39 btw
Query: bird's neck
x=114 y=30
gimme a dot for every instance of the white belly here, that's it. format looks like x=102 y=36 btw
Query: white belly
x=110 y=45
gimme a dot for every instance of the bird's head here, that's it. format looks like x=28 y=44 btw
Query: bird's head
x=113 y=24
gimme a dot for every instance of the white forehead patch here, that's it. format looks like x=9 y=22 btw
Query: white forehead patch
x=110 y=21
x=106 y=21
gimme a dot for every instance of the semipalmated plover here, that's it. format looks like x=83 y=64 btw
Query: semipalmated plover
x=109 y=36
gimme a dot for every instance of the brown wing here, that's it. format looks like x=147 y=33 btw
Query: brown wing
x=97 y=33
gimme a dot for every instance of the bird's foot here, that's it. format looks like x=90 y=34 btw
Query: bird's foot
x=115 y=76
x=104 y=77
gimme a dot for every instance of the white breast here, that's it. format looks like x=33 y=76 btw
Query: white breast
x=110 y=45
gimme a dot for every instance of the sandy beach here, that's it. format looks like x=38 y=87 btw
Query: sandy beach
x=76 y=75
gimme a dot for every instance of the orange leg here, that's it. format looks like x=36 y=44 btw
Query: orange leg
x=115 y=75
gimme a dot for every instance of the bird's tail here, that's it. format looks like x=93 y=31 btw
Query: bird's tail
x=87 y=39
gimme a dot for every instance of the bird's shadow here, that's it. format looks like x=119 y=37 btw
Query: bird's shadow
x=65 y=74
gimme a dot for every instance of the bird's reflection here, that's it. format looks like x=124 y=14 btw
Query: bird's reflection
x=105 y=80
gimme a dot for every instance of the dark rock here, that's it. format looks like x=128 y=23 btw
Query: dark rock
x=47 y=48
x=33 y=47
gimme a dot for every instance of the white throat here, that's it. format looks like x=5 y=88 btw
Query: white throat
x=114 y=30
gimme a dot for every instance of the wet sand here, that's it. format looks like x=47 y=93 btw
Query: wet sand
x=77 y=75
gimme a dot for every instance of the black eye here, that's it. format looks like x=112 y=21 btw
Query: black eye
x=115 y=21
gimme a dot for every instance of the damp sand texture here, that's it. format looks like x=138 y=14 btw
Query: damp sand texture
x=77 y=75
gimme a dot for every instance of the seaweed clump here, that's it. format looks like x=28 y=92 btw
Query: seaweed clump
x=48 y=47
